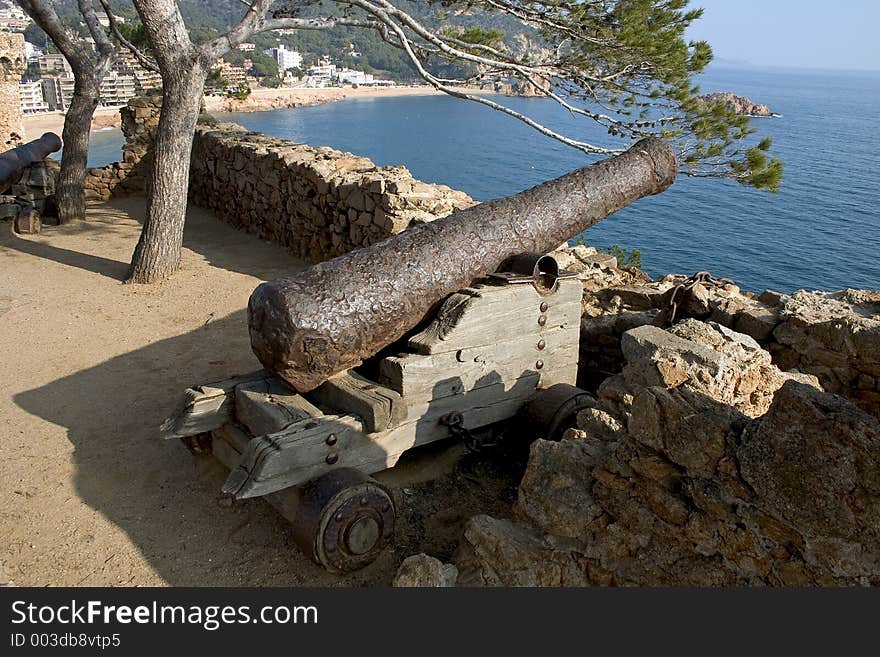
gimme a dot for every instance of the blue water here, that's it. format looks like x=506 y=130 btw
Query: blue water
x=819 y=232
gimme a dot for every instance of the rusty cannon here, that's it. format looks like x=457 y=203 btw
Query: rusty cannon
x=14 y=161
x=331 y=316
x=456 y=332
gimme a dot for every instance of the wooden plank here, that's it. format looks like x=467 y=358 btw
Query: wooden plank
x=224 y=446
x=299 y=453
x=207 y=407
x=419 y=377
x=474 y=318
x=348 y=392
x=229 y=442
x=268 y=406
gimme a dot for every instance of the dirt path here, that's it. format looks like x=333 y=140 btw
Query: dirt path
x=91 y=367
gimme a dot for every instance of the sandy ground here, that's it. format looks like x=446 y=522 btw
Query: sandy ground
x=260 y=100
x=91 y=367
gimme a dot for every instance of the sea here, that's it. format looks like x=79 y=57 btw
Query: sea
x=821 y=231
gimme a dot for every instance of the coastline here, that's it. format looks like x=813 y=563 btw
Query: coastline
x=260 y=100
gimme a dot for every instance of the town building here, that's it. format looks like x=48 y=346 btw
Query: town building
x=128 y=65
x=246 y=46
x=53 y=64
x=57 y=91
x=235 y=76
x=286 y=59
x=117 y=89
x=12 y=18
x=322 y=74
x=105 y=21
x=31 y=96
x=349 y=76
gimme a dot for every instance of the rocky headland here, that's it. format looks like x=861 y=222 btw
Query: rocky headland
x=740 y=104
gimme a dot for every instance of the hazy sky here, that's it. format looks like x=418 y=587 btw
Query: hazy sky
x=793 y=33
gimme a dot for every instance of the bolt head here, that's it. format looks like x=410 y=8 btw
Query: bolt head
x=542 y=320
x=544 y=306
x=541 y=344
x=540 y=364
x=331 y=439
x=332 y=458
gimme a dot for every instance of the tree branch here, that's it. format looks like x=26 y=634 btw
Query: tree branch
x=143 y=60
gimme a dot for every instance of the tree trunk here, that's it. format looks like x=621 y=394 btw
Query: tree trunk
x=157 y=254
x=70 y=194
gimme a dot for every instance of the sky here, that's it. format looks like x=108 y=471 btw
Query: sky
x=792 y=33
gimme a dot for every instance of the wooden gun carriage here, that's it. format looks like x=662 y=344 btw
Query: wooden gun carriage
x=505 y=346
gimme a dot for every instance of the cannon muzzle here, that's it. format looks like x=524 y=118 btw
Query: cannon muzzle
x=14 y=161
x=333 y=315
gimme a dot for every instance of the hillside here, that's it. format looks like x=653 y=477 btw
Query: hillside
x=206 y=18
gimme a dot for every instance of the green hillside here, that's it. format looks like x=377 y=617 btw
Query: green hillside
x=207 y=18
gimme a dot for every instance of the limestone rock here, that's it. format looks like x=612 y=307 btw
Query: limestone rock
x=705 y=357
x=501 y=553
x=421 y=570
x=696 y=494
x=814 y=462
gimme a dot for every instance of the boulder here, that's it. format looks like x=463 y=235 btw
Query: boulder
x=421 y=570
x=681 y=479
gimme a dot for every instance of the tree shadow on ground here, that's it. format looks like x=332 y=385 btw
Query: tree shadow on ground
x=219 y=243
x=169 y=502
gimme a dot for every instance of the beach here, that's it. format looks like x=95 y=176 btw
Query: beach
x=261 y=99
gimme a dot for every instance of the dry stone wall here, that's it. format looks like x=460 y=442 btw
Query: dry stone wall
x=317 y=202
x=12 y=64
x=140 y=118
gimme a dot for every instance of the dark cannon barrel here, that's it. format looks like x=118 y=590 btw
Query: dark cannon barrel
x=334 y=314
x=13 y=161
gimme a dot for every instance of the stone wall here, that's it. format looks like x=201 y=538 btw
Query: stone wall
x=12 y=64
x=140 y=118
x=317 y=202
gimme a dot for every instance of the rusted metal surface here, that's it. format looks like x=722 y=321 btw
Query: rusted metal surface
x=13 y=161
x=336 y=313
x=344 y=520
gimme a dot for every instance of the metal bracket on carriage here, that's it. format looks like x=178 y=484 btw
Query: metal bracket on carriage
x=542 y=271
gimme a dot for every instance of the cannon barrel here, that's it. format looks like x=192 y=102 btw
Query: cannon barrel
x=13 y=161
x=329 y=317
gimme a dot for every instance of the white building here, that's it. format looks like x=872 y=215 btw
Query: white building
x=348 y=76
x=32 y=51
x=246 y=47
x=285 y=58
x=117 y=89
x=31 y=95
x=322 y=74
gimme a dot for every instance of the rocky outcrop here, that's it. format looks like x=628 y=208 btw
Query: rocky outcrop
x=514 y=86
x=834 y=336
x=739 y=104
x=703 y=465
x=265 y=99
